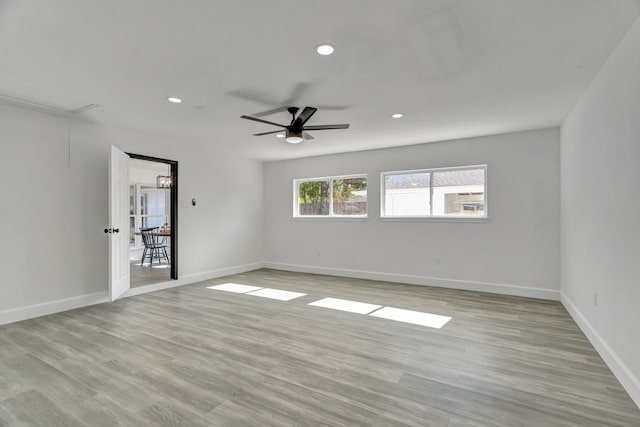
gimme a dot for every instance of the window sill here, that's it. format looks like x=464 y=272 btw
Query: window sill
x=434 y=219
x=330 y=218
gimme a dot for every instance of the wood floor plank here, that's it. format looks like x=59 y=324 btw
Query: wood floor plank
x=196 y=356
x=33 y=408
x=102 y=411
x=142 y=275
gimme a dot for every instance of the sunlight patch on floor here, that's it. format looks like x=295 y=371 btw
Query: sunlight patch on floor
x=390 y=313
x=413 y=317
x=234 y=287
x=276 y=294
x=346 y=305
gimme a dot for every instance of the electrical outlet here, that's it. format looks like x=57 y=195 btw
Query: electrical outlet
x=595 y=298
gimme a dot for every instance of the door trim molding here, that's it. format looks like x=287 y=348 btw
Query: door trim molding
x=173 y=209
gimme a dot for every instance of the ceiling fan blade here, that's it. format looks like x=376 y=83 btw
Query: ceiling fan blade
x=325 y=127
x=271 y=111
x=296 y=93
x=307 y=136
x=304 y=116
x=333 y=107
x=254 y=96
x=267 y=133
x=263 y=121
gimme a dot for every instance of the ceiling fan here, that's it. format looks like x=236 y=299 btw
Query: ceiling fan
x=295 y=131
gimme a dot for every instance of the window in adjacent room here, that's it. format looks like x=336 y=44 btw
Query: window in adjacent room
x=338 y=196
x=447 y=192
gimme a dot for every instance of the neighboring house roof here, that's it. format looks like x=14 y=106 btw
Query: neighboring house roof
x=440 y=179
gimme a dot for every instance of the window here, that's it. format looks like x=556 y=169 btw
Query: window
x=452 y=192
x=148 y=207
x=339 y=196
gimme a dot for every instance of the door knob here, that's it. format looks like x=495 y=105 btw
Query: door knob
x=116 y=230
x=106 y=230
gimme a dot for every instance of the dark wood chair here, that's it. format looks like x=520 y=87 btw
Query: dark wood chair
x=153 y=247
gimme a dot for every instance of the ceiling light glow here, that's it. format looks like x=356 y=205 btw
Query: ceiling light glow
x=279 y=135
x=174 y=100
x=291 y=139
x=324 y=49
x=397 y=115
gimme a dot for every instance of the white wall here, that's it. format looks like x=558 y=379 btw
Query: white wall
x=516 y=251
x=600 y=199
x=146 y=172
x=54 y=211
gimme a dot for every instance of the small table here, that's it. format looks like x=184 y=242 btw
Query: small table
x=166 y=233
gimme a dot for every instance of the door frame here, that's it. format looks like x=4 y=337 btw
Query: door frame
x=173 y=208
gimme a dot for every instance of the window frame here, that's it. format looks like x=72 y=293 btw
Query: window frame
x=296 y=195
x=430 y=216
x=138 y=216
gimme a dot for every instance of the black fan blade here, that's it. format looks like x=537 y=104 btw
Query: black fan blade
x=254 y=96
x=264 y=98
x=263 y=121
x=333 y=107
x=270 y=112
x=267 y=133
x=303 y=117
x=307 y=136
x=296 y=93
x=325 y=127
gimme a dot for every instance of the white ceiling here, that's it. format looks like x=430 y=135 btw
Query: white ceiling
x=456 y=68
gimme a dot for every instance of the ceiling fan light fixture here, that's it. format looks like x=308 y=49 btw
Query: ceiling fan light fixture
x=397 y=115
x=174 y=99
x=325 y=49
x=279 y=135
x=294 y=138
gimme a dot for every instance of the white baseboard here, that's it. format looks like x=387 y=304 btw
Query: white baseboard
x=495 y=288
x=193 y=278
x=45 y=308
x=629 y=381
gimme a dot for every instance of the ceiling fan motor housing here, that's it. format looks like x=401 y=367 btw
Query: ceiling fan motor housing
x=293 y=137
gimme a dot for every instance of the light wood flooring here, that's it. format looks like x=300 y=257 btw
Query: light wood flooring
x=192 y=356
x=141 y=275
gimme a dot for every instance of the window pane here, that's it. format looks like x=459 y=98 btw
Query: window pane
x=132 y=199
x=350 y=196
x=458 y=193
x=407 y=194
x=132 y=231
x=313 y=198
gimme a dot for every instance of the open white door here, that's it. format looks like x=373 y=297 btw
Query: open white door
x=119 y=279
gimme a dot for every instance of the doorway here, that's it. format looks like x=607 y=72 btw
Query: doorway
x=153 y=224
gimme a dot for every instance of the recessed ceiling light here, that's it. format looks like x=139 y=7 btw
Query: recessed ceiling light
x=324 y=49
x=397 y=115
x=279 y=135
x=174 y=100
